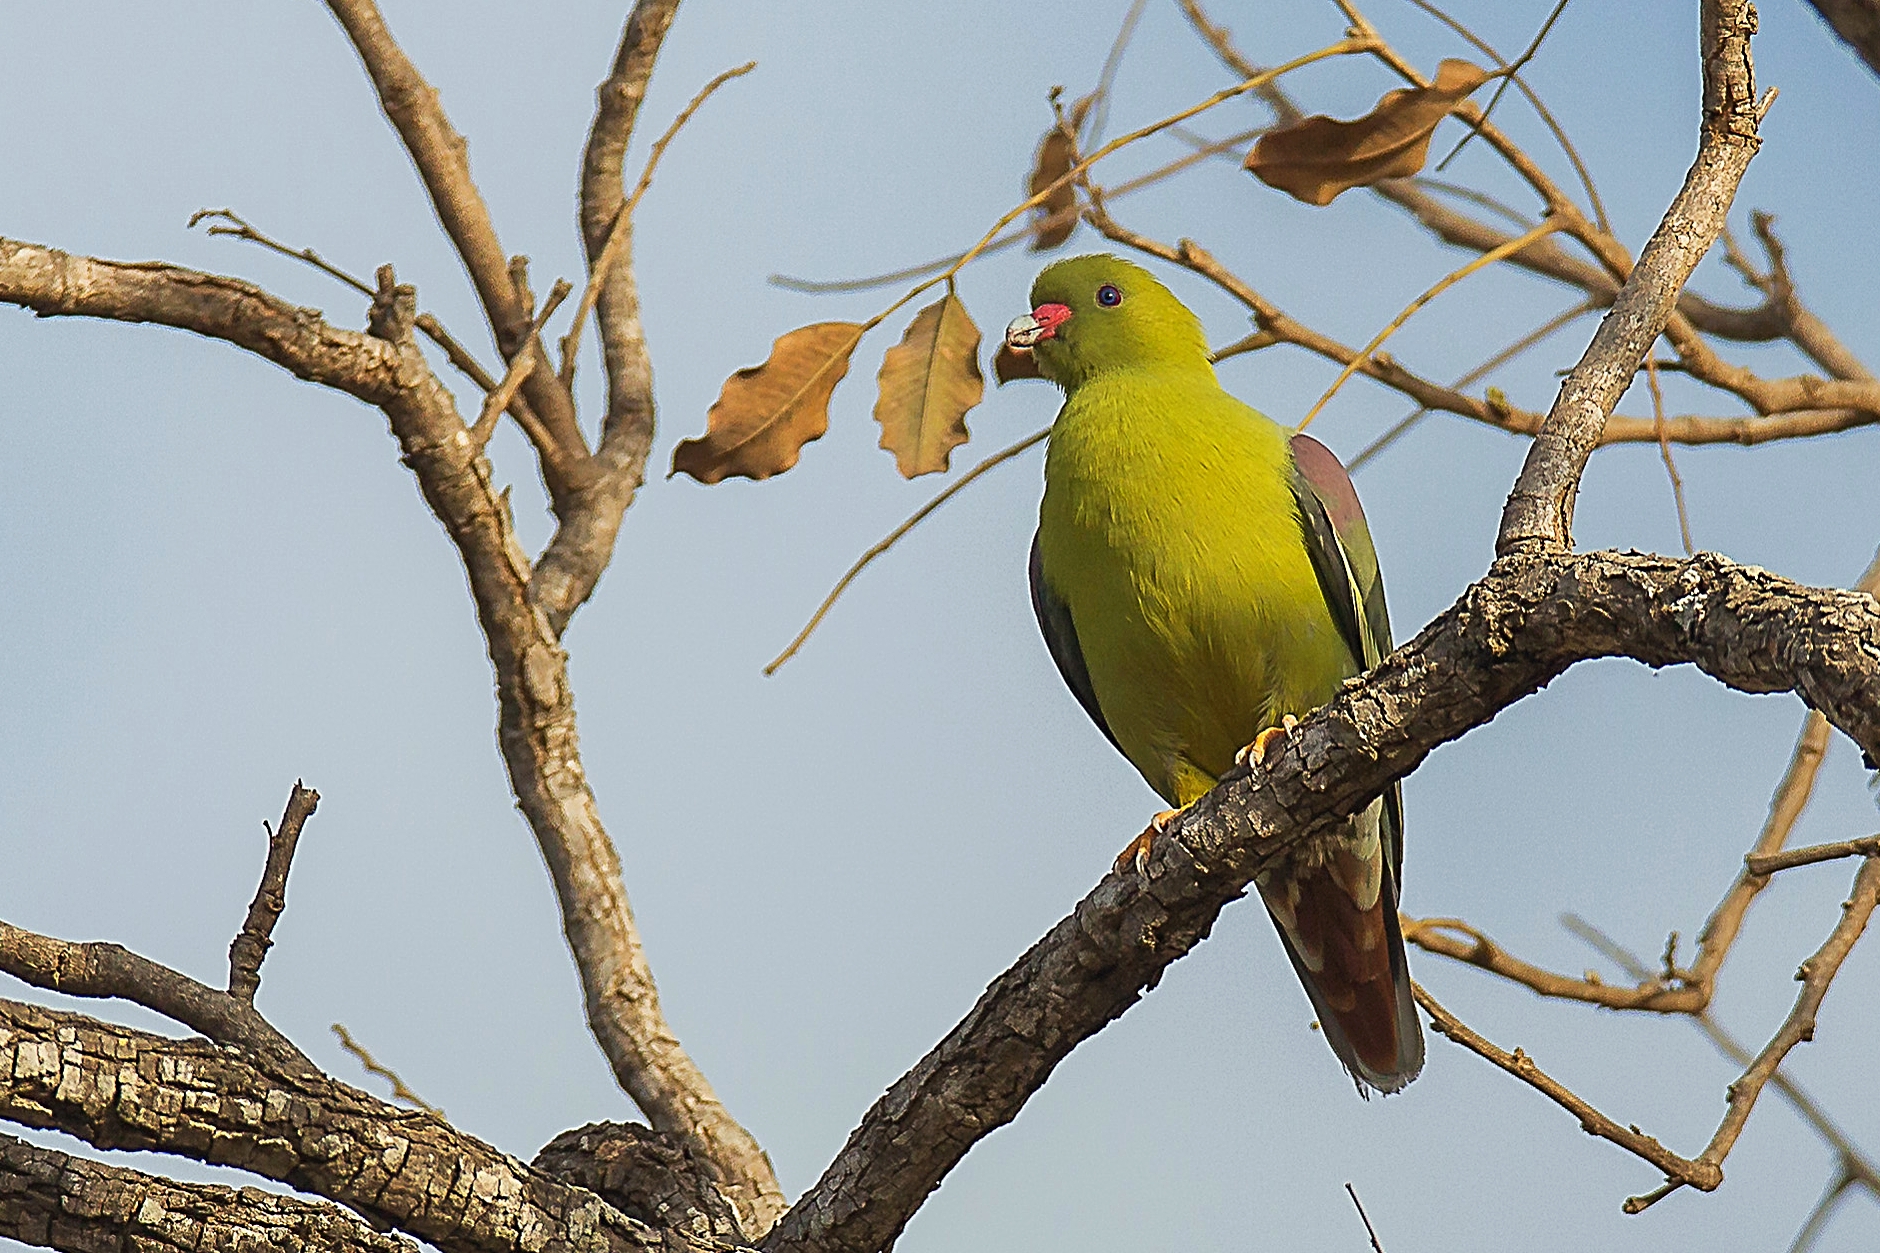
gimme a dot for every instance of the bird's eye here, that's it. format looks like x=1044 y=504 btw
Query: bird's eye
x=1109 y=297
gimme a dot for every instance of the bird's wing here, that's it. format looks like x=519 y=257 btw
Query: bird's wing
x=1339 y=543
x=1060 y=637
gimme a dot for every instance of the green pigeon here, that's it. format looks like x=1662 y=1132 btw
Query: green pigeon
x=1203 y=576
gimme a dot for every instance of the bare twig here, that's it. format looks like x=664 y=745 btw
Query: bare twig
x=1106 y=78
x=893 y=537
x=1815 y=975
x=1218 y=38
x=250 y=946
x=1369 y=1230
x=1403 y=425
x=622 y=225
x=1456 y=939
x=1818 y=1217
x=1664 y=453
x=1533 y=97
x=233 y=224
x=1852 y=1161
x=228 y=222
x=1507 y=73
x=1436 y=289
x=1699 y=1174
x=400 y=1092
x=1770 y=863
x=532 y=357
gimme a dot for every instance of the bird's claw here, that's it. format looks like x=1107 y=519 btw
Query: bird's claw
x=1255 y=753
x=1137 y=853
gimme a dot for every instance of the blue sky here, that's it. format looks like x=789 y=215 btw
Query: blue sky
x=217 y=579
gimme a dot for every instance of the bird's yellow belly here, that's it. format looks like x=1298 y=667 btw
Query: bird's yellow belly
x=1196 y=638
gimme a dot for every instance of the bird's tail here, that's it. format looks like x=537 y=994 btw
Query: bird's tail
x=1338 y=919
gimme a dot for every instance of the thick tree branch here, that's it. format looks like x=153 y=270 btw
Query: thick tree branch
x=1539 y=513
x=59 y=1201
x=1523 y=624
x=116 y=1088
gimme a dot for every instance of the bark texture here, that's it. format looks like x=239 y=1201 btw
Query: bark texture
x=58 y=1201
x=116 y=1088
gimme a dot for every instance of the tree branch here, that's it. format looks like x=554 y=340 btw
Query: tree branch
x=1815 y=976
x=443 y=163
x=1865 y=846
x=536 y=719
x=571 y=565
x=1539 y=513
x=1523 y=624
x=250 y=946
x=59 y=1201
x=116 y=1088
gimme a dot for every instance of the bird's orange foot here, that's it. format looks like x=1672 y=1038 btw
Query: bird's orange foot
x=1263 y=743
x=1137 y=854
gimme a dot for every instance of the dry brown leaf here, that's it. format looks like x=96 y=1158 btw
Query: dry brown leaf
x=1315 y=159
x=1055 y=219
x=1010 y=363
x=928 y=382
x=766 y=413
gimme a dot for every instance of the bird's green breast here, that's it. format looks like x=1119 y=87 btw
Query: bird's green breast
x=1170 y=530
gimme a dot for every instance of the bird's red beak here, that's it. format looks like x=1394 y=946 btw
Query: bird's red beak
x=1041 y=323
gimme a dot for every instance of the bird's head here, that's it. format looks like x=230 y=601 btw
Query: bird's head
x=1091 y=315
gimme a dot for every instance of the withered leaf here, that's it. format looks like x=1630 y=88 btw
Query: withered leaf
x=766 y=413
x=1009 y=363
x=928 y=382
x=1055 y=219
x=1315 y=159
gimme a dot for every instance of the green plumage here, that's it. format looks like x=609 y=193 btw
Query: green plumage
x=1200 y=573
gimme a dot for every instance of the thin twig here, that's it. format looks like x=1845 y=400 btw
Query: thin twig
x=1218 y=38
x=1544 y=228
x=1770 y=863
x=1369 y=1230
x=1664 y=453
x=1698 y=1174
x=1818 y=1217
x=1507 y=73
x=1106 y=78
x=241 y=229
x=1852 y=1160
x=531 y=356
x=1534 y=100
x=817 y=287
x=372 y=1067
x=1404 y=424
x=622 y=228
x=1815 y=975
x=893 y=537
x=251 y=943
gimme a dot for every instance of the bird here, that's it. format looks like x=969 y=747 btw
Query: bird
x=1203 y=577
